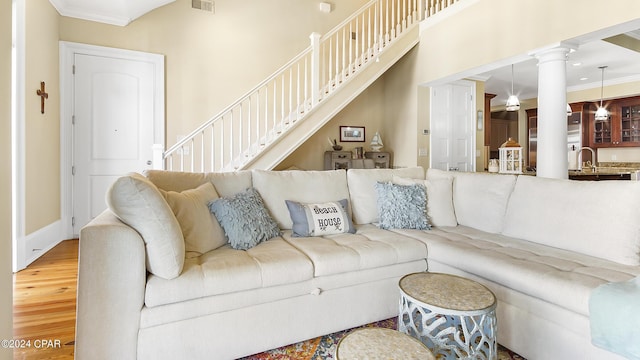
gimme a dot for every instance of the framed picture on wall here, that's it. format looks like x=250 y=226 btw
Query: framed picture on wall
x=352 y=133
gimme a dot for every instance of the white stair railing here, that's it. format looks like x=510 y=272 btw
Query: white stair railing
x=242 y=130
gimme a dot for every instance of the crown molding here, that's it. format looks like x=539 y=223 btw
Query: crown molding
x=113 y=12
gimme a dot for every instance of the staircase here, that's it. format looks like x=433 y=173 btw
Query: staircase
x=268 y=123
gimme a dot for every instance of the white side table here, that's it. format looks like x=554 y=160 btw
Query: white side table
x=453 y=316
x=382 y=344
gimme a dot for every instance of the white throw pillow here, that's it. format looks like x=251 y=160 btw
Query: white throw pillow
x=480 y=199
x=200 y=228
x=318 y=219
x=302 y=186
x=138 y=203
x=439 y=199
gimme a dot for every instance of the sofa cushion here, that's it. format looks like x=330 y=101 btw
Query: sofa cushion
x=137 y=202
x=402 y=206
x=480 y=199
x=440 y=210
x=226 y=270
x=245 y=220
x=560 y=277
x=569 y=215
x=320 y=218
x=368 y=248
x=200 y=228
x=225 y=183
x=362 y=189
x=300 y=186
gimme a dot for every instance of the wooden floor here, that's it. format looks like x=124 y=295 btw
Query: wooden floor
x=44 y=305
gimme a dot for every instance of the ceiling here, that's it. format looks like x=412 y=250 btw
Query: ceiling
x=114 y=12
x=623 y=65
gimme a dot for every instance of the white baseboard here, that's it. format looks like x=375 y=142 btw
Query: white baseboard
x=39 y=242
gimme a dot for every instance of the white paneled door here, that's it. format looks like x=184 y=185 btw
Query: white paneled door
x=453 y=126
x=113 y=126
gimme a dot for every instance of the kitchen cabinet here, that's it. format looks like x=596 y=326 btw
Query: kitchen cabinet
x=577 y=130
x=630 y=122
x=532 y=137
x=621 y=129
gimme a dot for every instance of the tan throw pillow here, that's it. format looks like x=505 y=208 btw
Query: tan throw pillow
x=137 y=202
x=200 y=228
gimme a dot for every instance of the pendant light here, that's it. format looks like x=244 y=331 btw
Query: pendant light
x=602 y=113
x=513 y=104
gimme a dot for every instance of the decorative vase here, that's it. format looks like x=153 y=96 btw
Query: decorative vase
x=494 y=166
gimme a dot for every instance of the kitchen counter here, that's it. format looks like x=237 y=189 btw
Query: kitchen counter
x=577 y=175
x=603 y=173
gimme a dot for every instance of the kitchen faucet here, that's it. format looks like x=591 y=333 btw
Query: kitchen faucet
x=592 y=163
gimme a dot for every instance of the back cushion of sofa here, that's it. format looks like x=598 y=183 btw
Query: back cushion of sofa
x=480 y=199
x=301 y=186
x=225 y=183
x=363 y=191
x=597 y=218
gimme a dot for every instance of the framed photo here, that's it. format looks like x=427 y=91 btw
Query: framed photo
x=352 y=133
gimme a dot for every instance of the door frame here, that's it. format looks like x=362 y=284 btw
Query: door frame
x=472 y=119
x=68 y=50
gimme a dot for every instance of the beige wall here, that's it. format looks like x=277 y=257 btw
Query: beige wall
x=42 y=139
x=213 y=59
x=401 y=137
x=379 y=108
x=210 y=59
x=6 y=286
x=366 y=110
x=467 y=46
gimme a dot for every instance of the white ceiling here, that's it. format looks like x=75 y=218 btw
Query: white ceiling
x=623 y=65
x=114 y=12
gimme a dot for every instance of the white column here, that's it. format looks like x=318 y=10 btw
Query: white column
x=552 y=113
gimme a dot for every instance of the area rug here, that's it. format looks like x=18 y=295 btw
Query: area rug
x=324 y=347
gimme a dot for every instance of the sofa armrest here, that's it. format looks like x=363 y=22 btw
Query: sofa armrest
x=111 y=286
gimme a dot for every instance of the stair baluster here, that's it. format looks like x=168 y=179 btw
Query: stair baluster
x=256 y=121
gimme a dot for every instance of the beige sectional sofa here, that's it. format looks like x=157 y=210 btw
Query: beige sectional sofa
x=541 y=245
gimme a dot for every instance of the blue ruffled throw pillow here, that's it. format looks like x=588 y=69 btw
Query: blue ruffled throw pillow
x=402 y=206
x=245 y=219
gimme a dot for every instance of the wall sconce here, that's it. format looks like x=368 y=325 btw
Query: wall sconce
x=480 y=119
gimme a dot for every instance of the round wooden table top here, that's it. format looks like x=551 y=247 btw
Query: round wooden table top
x=383 y=344
x=447 y=292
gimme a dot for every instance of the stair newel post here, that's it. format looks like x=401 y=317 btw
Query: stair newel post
x=315 y=68
x=158 y=155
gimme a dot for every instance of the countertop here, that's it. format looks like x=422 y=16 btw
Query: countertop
x=601 y=173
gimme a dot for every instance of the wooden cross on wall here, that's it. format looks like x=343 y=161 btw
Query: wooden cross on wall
x=43 y=95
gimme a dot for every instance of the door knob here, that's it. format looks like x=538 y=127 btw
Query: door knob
x=149 y=162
